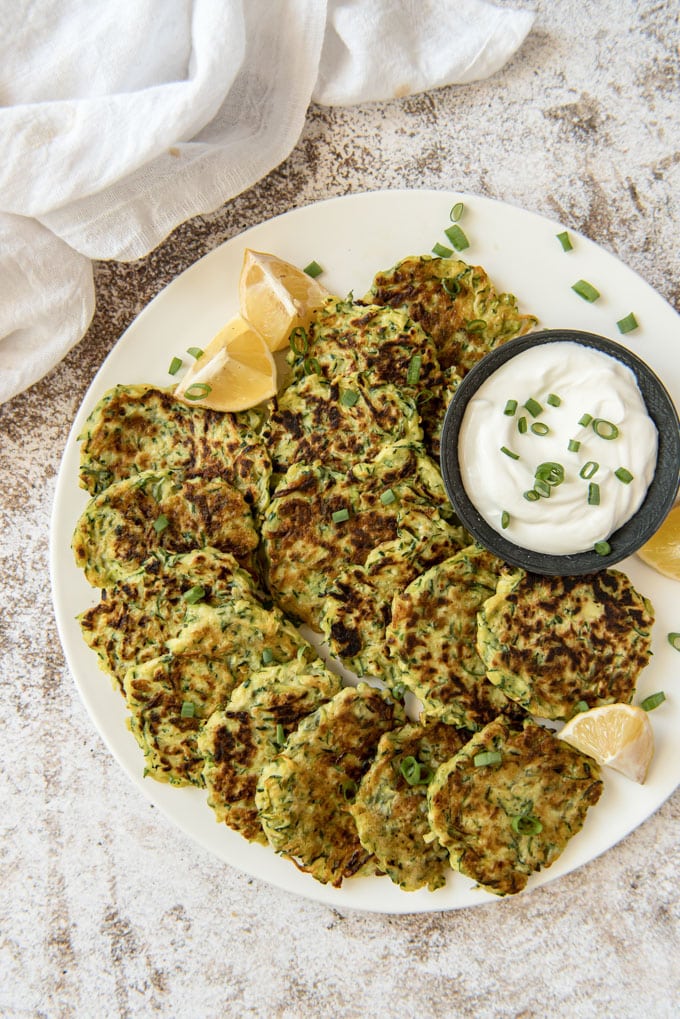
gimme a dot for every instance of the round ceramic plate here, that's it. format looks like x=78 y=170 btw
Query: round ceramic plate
x=352 y=238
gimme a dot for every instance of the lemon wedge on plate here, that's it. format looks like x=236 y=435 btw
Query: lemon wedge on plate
x=276 y=297
x=235 y=372
x=616 y=735
x=662 y=551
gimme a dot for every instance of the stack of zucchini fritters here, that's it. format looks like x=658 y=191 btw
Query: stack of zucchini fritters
x=217 y=538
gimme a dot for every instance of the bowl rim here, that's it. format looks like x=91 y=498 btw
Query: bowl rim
x=628 y=538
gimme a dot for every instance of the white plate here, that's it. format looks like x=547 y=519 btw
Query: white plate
x=352 y=238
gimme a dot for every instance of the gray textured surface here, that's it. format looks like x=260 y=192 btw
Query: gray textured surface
x=105 y=909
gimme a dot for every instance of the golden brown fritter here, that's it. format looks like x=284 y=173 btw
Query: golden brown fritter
x=553 y=643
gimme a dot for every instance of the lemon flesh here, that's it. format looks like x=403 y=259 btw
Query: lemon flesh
x=662 y=551
x=277 y=297
x=618 y=736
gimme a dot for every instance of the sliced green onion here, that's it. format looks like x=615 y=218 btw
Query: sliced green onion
x=476 y=325
x=423 y=395
x=653 y=701
x=542 y=487
x=197 y=390
x=340 y=516
x=188 y=709
x=413 y=373
x=510 y=408
x=565 y=241
x=194 y=594
x=590 y=468
x=441 y=251
x=586 y=290
x=298 y=341
x=585 y=420
x=605 y=429
x=313 y=269
x=414 y=772
x=522 y=425
x=540 y=428
x=674 y=640
x=551 y=472
x=624 y=475
x=387 y=497
x=509 y=452
x=574 y=445
x=349 y=789
x=267 y=656
x=280 y=735
x=602 y=547
x=593 y=494
x=349 y=397
x=532 y=495
x=505 y=519
x=487 y=757
x=526 y=824
x=554 y=400
x=581 y=706
x=627 y=324
x=175 y=365
x=457 y=237
x=160 y=523
x=452 y=287
x=533 y=406
x=456 y=212
x=311 y=366
x=195 y=352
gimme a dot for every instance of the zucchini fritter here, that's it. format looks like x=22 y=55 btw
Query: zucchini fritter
x=501 y=822
x=239 y=740
x=304 y=794
x=123 y=525
x=552 y=642
x=391 y=806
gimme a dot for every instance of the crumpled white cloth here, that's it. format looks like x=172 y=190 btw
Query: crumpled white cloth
x=120 y=120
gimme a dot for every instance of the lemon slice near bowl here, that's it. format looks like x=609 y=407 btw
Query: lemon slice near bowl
x=618 y=736
x=662 y=551
x=277 y=297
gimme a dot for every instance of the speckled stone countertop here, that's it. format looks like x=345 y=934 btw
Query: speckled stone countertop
x=105 y=908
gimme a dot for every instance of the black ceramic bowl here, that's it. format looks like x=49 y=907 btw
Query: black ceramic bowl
x=637 y=530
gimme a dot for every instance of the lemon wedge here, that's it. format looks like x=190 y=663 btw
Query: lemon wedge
x=617 y=735
x=276 y=297
x=662 y=551
x=236 y=371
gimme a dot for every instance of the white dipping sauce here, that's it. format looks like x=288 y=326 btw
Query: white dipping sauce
x=586 y=382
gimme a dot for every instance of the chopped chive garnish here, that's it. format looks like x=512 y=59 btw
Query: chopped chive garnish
x=509 y=452
x=565 y=241
x=624 y=475
x=539 y=428
x=542 y=487
x=441 y=251
x=194 y=594
x=522 y=425
x=593 y=494
x=413 y=373
x=175 y=365
x=674 y=640
x=574 y=445
x=311 y=366
x=195 y=352
x=653 y=701
x=267 y=656
x=476 y=325
x=456 y=212
x=551 y=472
x=526 y=824
x=590 y=468
x=452 y=287
x=532 y=495
x=627 y=324
x=349 y=397
x=533 y=406
x=313 y=269
x=298 y=341
x=387 y=497
x=586 y=290
x=581 y=706
x=585 y=420
x=510 y=408
x=197 y=390
x=349 y=789
x=340 y=516
x=188 y=709
x=457 y=237
x=605 y=429
x=414 y=772
x=487 y=757
x=602 y=547
x=505 y=519
x=160 y=523
x=280 y=735
x=554 y=400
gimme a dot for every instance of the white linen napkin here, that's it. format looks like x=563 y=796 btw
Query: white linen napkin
x=118 y=121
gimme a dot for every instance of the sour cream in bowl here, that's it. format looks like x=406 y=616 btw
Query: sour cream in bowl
x=560 y=452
